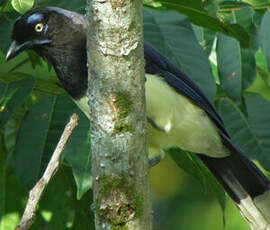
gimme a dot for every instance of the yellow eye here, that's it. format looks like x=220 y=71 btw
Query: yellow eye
x=39 y=27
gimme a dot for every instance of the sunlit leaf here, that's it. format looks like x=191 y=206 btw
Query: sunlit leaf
x=22 y=6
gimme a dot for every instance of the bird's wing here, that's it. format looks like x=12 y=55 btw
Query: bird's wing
x=157 y=64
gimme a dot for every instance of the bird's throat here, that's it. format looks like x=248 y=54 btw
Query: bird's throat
x=71 y=70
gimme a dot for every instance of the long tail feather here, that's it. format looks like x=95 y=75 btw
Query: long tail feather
x=244 y=183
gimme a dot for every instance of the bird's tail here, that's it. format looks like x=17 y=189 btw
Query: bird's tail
x=244 y=183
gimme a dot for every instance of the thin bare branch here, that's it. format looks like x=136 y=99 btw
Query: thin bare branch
x=36 y=192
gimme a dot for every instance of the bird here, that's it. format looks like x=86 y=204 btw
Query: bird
x=181 y=115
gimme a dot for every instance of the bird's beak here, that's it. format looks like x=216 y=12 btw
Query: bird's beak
x=16 y=48
x=13 y=50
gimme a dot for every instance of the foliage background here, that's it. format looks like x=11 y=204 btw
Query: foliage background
x=223 y=46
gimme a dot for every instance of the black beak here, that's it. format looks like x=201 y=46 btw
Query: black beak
x=16 y=48
x=13 y=50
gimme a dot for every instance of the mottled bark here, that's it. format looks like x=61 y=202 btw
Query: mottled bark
x=118 y=124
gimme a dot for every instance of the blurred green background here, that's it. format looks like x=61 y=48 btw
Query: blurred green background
x=179 y=200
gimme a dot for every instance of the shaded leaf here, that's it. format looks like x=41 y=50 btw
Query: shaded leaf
x=6 y=22
x=9 y=135
x=34 y=58
x=229 y=66
x=264 y=36
x=2 y=187
x=12 y=96
x=37 y=138
x=199 y=16
x=192 y=164
x=172 y=34
x=258 y=115
x=58 y=203
x=245 y=17
x=247 y=133
x=77 y=153
x=31 y=142
x=11 y=208
x=84 y=216
x=75 y=5
x=205 y=38
x=240 y=61
x=231 y=4
x=248 y=66
x=51 y=86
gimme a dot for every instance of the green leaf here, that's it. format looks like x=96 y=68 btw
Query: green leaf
x=231 y=4
x=199 y=16
x=6 y=22
x=9 y=135
x=48 y=86
x=205 y=38
x=258 y=115
x=2 y=187
x=37 y=138
x=35 y=59
x=84 y=218
x=245 y=18
x=248 y=133
x=192 y=164
x=261 y=84
x=31 y=142
x=77 y=153
x=237 y=66
x=229 y=66
x=264 y=36
x=261 y=61
x=22 y=6
x=172 y=34
x=258 y=3
x=57 y=203
x=74 y=5
x=12 y=96
x=248 y=66
x=11 y=208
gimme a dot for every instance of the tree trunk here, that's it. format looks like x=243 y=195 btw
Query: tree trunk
x=118 y=121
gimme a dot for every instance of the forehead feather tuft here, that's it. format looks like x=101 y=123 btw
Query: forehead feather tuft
x=34 y=18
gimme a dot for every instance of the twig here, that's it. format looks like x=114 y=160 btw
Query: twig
x=35 y=194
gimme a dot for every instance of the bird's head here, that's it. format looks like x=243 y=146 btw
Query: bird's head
x=41 y=28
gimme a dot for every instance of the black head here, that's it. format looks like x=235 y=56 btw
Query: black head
x=59 y=36
x=38 y=27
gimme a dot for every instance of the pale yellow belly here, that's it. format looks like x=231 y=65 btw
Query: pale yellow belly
x=186 y=125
